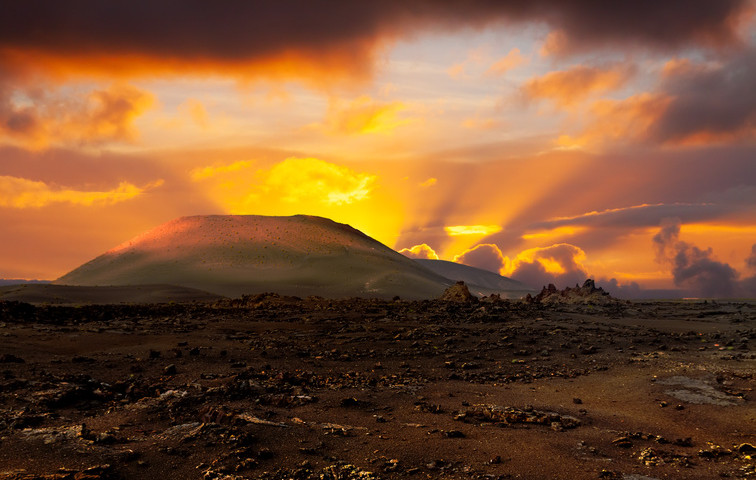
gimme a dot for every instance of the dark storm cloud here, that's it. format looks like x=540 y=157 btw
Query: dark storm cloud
x=630 y=290
x=633 y=290
x=484 y=256
x=748 y=287
x=714 y=101
x=693 y=268
x=751 y=260
x=665 y=239
x=661 y=24
x=240 y=30
x=748 y=284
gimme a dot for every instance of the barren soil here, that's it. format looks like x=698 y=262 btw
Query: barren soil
x=274 y=387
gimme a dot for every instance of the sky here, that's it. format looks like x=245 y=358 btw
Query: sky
x=549 y=140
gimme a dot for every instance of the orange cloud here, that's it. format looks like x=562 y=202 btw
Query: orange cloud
x=18 y=192
x=511 y=60
x=702 y=103
x=347 y=64
x=568 y=87
x=39 y=120
x=364 y=116
x=196 y=112
x=554 y=259
x=456 y=70
x=474 y=57
x=112 y=111
x=630 y=119
x=561 y=264
x=481 y=123
x=556 y=43
x=676 y=66
x=712 y=102
x=422 y=251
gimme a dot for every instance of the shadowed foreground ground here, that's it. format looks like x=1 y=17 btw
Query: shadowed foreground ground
x=281 y=388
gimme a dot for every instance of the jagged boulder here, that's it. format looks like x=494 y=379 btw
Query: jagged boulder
x=458 y=293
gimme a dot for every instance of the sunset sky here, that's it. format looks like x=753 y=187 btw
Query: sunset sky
x=547 y=140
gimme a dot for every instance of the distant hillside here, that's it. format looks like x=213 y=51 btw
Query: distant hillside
x=44 y=293
x=233 y=255
x=479 y=281
x=15 y=281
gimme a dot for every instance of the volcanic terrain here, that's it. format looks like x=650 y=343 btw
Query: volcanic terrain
x=275 y=388
x=565 y=384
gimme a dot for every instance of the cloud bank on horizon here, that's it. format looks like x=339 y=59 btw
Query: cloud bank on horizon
x=544 y=140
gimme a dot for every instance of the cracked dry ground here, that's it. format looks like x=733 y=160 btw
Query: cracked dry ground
x=273 y=387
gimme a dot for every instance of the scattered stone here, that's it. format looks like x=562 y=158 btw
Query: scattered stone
x=683 y=442
x=653 y=456
x=259 y=421
x=505 y=416
x=746 y=449
x=82 y=359
x=351 y=402
x=714 y=452
x=622 y=442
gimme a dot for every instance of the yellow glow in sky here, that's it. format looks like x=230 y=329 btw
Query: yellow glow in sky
x=459 y=230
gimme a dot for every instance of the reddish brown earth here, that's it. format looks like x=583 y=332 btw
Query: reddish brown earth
x=275 y=387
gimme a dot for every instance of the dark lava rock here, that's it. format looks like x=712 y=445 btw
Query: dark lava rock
x=9 y=358
x=746 y=449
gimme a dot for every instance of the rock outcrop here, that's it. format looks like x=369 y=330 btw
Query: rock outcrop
x=587 y=294
x=458 y=293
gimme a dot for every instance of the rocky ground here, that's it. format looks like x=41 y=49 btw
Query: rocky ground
x=271 y=387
